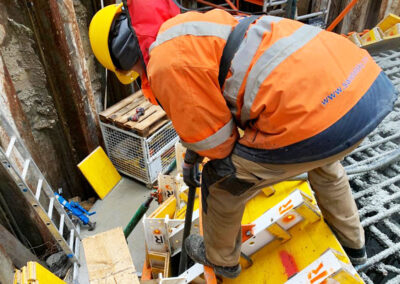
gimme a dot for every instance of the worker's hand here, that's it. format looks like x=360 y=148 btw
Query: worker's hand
x=191 y=174
x=191 y=157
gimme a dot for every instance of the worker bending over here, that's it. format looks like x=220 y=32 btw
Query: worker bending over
x=304 y=98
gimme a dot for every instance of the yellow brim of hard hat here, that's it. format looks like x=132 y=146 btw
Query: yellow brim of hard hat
x=99 y=30
x=126 y=77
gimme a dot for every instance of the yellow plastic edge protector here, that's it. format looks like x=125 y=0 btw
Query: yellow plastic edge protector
x=99 y=172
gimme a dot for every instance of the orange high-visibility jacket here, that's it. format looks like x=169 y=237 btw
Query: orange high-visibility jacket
x=288 y=82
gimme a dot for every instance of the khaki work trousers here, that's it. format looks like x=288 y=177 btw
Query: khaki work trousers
x=222 y=222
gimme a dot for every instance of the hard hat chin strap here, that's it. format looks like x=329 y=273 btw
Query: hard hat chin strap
x=123 y=44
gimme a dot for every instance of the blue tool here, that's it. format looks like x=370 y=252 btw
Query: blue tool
x=74 y=208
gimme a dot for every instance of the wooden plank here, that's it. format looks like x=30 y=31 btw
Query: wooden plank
x=127 y=108
x=124 y=118
x=143 y=127
x=149 y=112
x=303 y=7
x=355 y=20
x=17 y=252
x=389 y=6
x=318 y=5
x=157 y=126
x=104 y=114
x=393 y=7
x=108 y=259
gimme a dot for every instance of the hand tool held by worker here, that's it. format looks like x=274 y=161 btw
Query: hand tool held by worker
x=190 y=167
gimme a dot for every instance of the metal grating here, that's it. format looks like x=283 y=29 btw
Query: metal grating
x=167 y=158
x=160 y=140
x=142 y=158
x=125 y=152
x=374 y=172
x=318 y=18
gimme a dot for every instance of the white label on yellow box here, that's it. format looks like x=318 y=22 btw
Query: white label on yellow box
x=393 y=31
x=373 y=35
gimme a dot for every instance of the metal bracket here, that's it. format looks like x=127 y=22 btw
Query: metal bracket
x=329 y=266
x=275 y=223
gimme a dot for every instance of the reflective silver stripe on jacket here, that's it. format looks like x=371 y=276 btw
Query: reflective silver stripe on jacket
x=214 y=140
x=193 y=28
x=270 y=59
x=243 y=57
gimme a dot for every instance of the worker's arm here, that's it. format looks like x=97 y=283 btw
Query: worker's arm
x=192 y=99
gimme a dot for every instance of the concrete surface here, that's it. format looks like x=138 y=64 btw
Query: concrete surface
x=116 y=209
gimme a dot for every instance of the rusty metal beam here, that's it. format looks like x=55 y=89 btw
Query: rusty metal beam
x=65 y=23
x=20 y=213
x=57 y=36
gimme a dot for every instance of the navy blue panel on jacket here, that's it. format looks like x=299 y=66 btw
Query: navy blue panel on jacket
x=361 y=120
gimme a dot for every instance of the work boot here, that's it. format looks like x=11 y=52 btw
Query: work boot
x=195 y=249
x=357 y=256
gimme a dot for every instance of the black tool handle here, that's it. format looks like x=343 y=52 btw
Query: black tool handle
x=186 y=230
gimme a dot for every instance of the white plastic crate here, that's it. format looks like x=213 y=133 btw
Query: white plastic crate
x=141 y=158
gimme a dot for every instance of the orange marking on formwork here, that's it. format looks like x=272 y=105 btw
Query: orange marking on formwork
x=319 y=276
x=289 y=218
x=209 y=274
x=288 y=263
x=315 y=272
x=285 y=207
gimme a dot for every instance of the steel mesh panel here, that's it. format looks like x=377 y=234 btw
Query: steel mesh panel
x=161 y=139
x=126 y=153
x=133 y=155
x=167 y=158
x=375 y=181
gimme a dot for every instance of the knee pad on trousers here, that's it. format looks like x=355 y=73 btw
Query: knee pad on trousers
x=221 y=174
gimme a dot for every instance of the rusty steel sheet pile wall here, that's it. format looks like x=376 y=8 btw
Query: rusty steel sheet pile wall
x=50 y=92
x=51 y=69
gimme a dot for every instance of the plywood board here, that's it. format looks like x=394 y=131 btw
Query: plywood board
x=108 y=259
